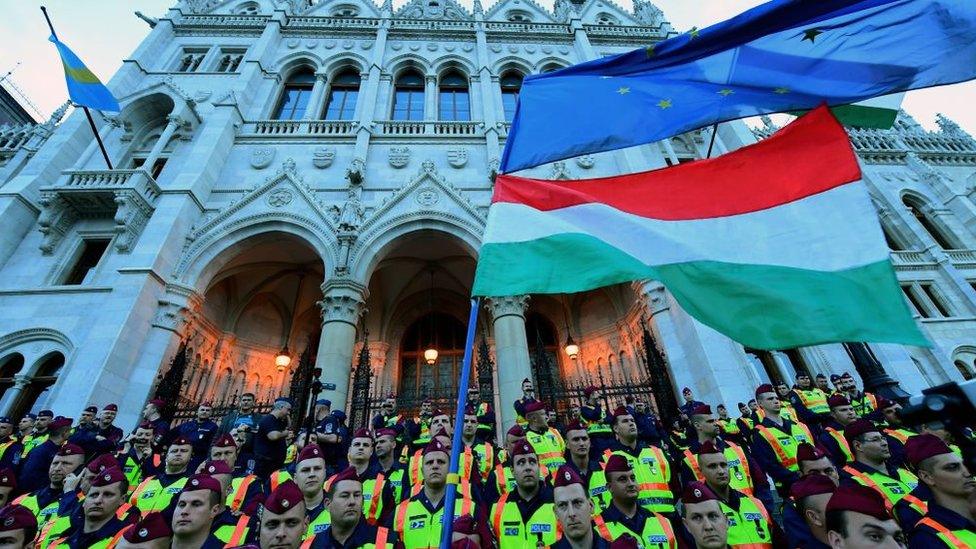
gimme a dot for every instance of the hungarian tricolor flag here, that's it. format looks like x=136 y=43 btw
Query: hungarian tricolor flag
x=776 y=245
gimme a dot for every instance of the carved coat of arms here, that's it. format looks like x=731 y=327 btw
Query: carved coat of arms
x=457 y=157
x=399 y=156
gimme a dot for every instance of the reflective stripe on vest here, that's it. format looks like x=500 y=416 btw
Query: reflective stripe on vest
x=901 y=435
x=750 y=526
x=424 y=528
x=512 y=531
x=653 y=474
x=237 y=498
x=786 y=457
x=375 y=503
x=657 y=531
x=739 y=476
x=949 y=537
x=891 y=495
x=841 y=443
x=814 y=400
x=240 y=530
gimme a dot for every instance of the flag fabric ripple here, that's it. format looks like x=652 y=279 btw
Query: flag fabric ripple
x=84 y=87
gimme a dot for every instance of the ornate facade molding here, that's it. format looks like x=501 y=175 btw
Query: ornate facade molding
x=343 y=300
x=507 y=306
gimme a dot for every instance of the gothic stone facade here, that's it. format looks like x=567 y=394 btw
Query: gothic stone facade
x=291 y=172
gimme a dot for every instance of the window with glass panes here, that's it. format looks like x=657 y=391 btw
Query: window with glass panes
x=294 y=98
x=440 y=379
x=342 y=96
x=408 y=97
x=510 y=83
x=454 y=104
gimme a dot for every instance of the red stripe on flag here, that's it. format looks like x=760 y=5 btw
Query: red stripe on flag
x=811 y=155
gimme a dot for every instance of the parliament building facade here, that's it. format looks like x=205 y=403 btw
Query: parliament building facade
x=297 y=175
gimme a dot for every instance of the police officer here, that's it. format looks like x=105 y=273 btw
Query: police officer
x=750 y=523
x=580 y=460
x=545 y=440
x=378 y=499
x=809 y=497
x=730 y=427
x=746 y=423
x=822 y=384
x=418 y=520
x=152 y=413
x=76 y=486
x=501 y=479
x=156 y=492
x=198 y=504
x=894 y=429
x=702 y=517
x=388 y=417
x=17 y=527
x=775 y=440
x=858 y=516
x=283 y=521
x=949 y=520
x=39 y=432
x=743 y=476
x=10 y=446
x=474 y=448
x=151 y=532
x=574 y=510
x=43 y=502
x=649 y=464
x=485 y=413
x=310 y=477
x=865 y=404
x=524 y=517
x=245 y=487
x=384 y=448
x=348 y=529
x=528 y=395
x=138 y=457
x=328 y=436
x=870 y=466
x=229 y=523
x=832 y=438
x=39 y=459
x=200 y=432
x=595 y=420
x=625 y=515
x=811 y=460
x=809 y=401
x=104 y=510
x=8 y=485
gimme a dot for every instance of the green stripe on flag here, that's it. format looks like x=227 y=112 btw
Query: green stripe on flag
x=81 y=75
x=863 y=116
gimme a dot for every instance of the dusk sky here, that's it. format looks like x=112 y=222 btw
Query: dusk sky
x=103 y=32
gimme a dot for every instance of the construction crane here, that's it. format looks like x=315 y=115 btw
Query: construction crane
x=8 y=83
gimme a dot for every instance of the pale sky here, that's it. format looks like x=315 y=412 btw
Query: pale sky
x=103 y=32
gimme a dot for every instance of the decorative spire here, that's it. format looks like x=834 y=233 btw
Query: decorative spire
x=388 y=6
x=647 y=13
x=949 y=127
x=477 y=7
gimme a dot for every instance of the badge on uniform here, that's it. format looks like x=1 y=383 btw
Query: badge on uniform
x=752 y=516
x=416 y=524
x=540 y=528
x=511 y=530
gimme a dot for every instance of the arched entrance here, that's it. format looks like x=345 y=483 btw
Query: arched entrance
x=439 y=380
x=33 y=398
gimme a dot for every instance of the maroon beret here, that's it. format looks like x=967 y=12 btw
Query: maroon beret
x=284 y=498
x=145 y=425
x=812 y=485
x=224 y=441
x=616 y=463
x=201 y=482
x=152 y=526
x=702 y=410
x=764 y=388
x=310 y=451
x=859 y=499
x=808 y=452
x=112 y=408
x=102 y=462
x=534 y=406
x=362 y=433
x=859 y=427
x=436 y=446
x=697 y=492
x=566 y=476
x=7 y=478
x=846 y=375
x=620 y=411
x=836 y=401
x=17 y=517
x=110 y=476
x=708 y=447
x=70 y=449
x=924 y=446
x=217 y=467
x=92 y=409
x=574 y=425
x=349 y=473
x=60 y=423
x=590 y=390
x=522 y=448
x=516 y=431
x=884 y=403
x=158 y=402
x=386 y=432
x=625 y=541
x=437 y=413
x=465 y=524
x=180 y=441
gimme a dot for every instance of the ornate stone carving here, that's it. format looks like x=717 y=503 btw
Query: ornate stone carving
x=130 y=218
x=356 y=172
x=351 y=215
x=647 y=13
x=507 y=306
x=457 y=157
x=343 y=300
x=652 y=294
x=949 y=127
x=427 y=196
x=322 y=157
x=399 y=157
x=261 y=157
x=586 y=161
x=493 y=166
x=559 y=171
x=56 y=218
x=279 y=198
x=202 y=96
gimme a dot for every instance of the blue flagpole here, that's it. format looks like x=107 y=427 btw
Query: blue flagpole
x=447 y=520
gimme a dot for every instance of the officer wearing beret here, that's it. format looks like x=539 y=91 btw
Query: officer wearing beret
x=151 y=532
x=949 y=520
x=858 y=518
x=283 y=519
x=17 y=527
x=349 y=529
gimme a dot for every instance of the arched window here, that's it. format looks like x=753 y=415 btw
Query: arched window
x=606 y=19
x=34 y=397
x=343 y=95
x=511 y=84
x=945 y=241
x=408 y=97
x=967 y=374
x=295 y=96
x=550 y=68
x=440 y=379
x=9 y=367
x=454 y=103
x=890 y=239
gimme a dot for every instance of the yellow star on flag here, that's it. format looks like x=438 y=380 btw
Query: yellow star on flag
x=781 y=91
x=664 y=103
x=623 y=90
x=650 y=50
x=725 y=92
x=694 y=32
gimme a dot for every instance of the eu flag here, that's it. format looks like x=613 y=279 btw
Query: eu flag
x=84 y=87
x=785 y=55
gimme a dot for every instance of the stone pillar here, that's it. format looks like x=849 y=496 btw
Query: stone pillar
x=511 y=351
x=316 y=102
x=10 y=397
x=172 y=125
x=343 y=302
x=430 y=97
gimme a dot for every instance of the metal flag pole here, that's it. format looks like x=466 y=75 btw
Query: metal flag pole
x=712 y=143
x=447 y=520
x=91 y=122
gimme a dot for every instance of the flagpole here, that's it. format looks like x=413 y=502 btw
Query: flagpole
x=447 y=520
x=712 y=143
x=91 y=122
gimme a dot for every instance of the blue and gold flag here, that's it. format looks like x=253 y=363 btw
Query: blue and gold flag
x=84 y=87
x=782 y=56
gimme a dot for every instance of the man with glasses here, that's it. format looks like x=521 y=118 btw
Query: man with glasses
x=870 y=466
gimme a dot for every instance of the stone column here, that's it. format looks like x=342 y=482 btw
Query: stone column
x=316 y=102
x=10 y=397
x=430 y=97
x=173 y=124
x=343 y=302
x=511 y=351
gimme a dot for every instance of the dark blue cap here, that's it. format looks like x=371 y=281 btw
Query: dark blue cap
x=30 y=415
x=285 y=400
x=6 y=419
x=45 y=413
x=339 y=414
x=323 y=402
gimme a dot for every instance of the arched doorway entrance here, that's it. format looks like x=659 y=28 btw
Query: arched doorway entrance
x=439 y=380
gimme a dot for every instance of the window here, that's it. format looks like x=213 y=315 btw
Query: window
x=34 y=397
x=438 y=380
x=294 y=98
x=342 y=96
x=551 y=67
x=945 y=241
x=230 y=60
x=89 y=255
x=935 y=298
x=606 y=19
x=454 y=104
x=157 y=167
x=248 y=8
x=681 y=160
x=345 y=11
x=9 y=367
x=518 y=17
x=408 y=97
x=915 y=302
x=511 y=83
x=890 y=240
x=190 y=59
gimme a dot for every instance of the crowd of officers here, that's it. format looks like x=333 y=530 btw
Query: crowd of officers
x=810 y=466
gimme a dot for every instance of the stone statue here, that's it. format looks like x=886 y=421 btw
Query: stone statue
x=351 y=216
